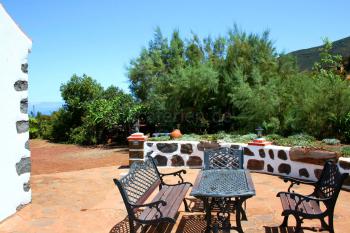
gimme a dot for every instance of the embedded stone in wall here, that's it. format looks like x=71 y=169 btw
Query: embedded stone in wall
x=22 y=126
x=304 y=172
x=284 y=168
x=270 y=168
x=161 y=160
x=20 y=206
x=24 y=105
x=236 y=147
x=247 y=151
x=345 y=164
x=254 y=164
x=186 y=148
x=194 y=161
x=26 y=145
x=21 y=85
x=272 y=155
x=262 y=153
x=207 y=145
x=23 y=166
x=149 y=144
x=167 y=147
x=282 y=155
x=177 y=161
x=26 y=187
x=312 y=156
x=317 y=173
x=24 y=68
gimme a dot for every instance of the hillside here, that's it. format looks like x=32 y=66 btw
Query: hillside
x=307 y=57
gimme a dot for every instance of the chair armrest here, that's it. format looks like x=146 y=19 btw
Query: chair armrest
x=295 y=181
x=150 y=205
x=177 y=173
x=300 y=198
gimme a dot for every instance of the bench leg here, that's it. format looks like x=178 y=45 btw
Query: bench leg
x=298 y=226
x=186 y=205
x=285 y=221
x=132 y=227
x=330 y=224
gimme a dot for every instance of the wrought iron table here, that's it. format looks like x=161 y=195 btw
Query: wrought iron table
x=217 y=187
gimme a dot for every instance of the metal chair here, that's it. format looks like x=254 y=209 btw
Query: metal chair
x=326 y=191
x=223 y=158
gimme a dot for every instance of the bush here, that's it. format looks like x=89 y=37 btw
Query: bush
x=331 y=141
x=345 y=151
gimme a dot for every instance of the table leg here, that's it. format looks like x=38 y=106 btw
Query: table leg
x=239 y=211
x=207 y=214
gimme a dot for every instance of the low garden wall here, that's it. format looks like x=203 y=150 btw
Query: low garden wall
x=277 y=160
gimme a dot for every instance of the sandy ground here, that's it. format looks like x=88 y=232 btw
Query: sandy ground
x=86 y=200
x=52 y=158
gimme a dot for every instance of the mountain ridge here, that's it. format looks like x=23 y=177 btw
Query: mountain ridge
x=307 y=57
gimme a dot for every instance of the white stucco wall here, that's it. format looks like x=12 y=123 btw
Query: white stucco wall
x=14 y=49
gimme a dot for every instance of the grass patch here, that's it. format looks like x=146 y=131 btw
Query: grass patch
x=345 y=151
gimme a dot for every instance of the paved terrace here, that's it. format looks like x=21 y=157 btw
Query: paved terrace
x=88 y=201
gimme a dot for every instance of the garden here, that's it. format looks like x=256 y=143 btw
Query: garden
x=212 y=89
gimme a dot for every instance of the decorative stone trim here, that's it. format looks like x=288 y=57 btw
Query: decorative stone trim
x=26 y=145
x=24 y=68
x=21 y=85
x=26 y=187
x=23 y=166
x=24 y=106
x=22 y=126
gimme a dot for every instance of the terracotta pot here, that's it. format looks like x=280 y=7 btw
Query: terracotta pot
x=176 y=134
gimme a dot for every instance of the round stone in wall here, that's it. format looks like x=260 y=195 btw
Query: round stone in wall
x=269 y=168
x=161 y=160
x=317 y=173
x=262 y=153
x=282 y=155
x=272 y=155
x=254 y=164
x=21 y=85
x=194 y=161
x=167 y=147
x=236 y=147
x=247 y=151
x=186 y=148
x=304 y=172
x=149 y=144
x=177 y=161
x=284 y=168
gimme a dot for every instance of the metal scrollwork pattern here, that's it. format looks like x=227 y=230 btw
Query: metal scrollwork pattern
x=223 y=183
x=329 y=180
x=223 y=158
x=139 y=180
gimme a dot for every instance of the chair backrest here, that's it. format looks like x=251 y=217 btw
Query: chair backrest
x=330 y=183
x=223 y=158
x=141 y=180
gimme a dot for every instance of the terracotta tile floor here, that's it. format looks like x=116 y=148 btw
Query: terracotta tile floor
x=88 y=201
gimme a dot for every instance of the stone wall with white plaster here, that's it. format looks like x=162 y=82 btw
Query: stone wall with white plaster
x=277 y=160
x=14 y=155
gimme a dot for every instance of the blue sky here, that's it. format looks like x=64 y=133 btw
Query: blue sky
x=100 y=37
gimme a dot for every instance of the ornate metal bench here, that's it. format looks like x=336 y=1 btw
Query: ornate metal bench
x=139 y=184
x=326 y=191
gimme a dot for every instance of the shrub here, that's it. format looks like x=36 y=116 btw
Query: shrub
x=331 y=141
x=345 y=151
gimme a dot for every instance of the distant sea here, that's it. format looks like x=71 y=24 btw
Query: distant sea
x=46 y=108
